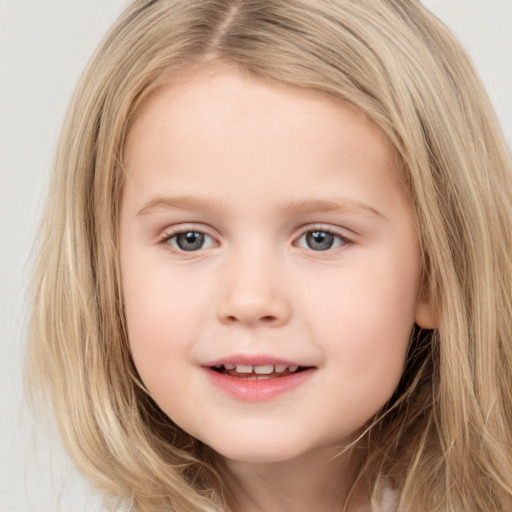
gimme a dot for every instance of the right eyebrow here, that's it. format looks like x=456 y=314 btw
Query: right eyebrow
x=179 y=203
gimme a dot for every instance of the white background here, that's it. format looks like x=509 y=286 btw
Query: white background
x=44 y=44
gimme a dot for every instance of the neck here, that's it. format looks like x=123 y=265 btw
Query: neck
x=319 y=482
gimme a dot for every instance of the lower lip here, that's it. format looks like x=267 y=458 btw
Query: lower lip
x=254 y=390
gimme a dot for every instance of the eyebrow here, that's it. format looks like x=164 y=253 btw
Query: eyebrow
x=180 y=203
x=304 y=207
x=332 y=206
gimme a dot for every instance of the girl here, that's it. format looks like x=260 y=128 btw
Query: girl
x=275 y=266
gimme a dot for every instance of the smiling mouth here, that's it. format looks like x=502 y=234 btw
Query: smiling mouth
x=260 y=372
x=266 y=380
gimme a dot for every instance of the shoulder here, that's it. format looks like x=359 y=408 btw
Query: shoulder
x=388 y=501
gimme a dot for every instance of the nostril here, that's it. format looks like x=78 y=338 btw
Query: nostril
x=250 y=310
x=265 y=319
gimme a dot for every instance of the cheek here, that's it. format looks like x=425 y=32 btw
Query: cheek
x=366 y=323
x=160 y=344
x=164 y=314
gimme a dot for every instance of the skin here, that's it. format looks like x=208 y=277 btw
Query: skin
x=261 y=165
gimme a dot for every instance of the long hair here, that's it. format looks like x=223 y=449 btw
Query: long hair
x=444 y=442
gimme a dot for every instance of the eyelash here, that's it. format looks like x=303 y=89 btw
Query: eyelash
x=341 y=239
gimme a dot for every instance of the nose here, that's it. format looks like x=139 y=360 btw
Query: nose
x=254 y=293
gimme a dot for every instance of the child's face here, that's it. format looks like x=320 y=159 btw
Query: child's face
x=265 y=226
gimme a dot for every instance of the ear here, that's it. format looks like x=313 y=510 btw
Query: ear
x=424 y=316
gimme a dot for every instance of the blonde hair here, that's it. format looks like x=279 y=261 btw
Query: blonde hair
x=444 y=441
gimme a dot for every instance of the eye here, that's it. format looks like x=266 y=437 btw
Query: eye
x=321 y=240
x=190 y=241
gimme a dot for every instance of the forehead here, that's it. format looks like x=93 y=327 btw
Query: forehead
x=201 y=101
x=219 y=123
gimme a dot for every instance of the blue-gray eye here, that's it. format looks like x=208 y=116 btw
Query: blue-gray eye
x=319 y=240
x=190 y=241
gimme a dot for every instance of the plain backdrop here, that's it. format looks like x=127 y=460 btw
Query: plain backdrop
x=44 y=44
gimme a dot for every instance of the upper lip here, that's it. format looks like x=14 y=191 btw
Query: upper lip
x=253 y=360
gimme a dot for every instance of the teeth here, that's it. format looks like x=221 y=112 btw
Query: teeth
x=264 y=370
x=242 y=368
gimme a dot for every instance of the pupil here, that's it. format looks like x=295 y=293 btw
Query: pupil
x=320 y=240
x=190 y=241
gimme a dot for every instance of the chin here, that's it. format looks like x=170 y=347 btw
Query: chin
x=264 y=451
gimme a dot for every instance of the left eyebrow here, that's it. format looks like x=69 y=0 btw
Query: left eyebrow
x=332 y=206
